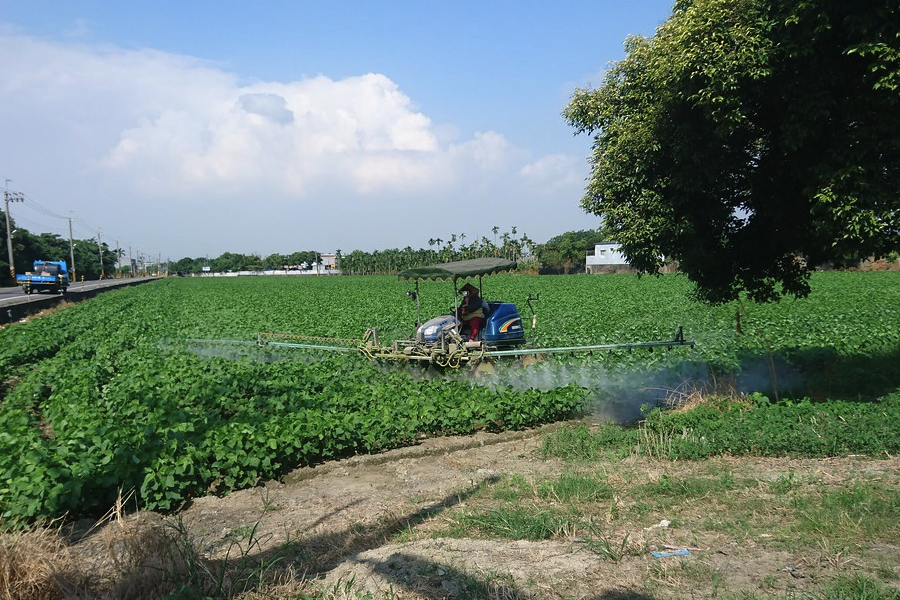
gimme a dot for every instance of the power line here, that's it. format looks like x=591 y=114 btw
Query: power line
x=44 y=227
x=31 y=203
x=84 y=228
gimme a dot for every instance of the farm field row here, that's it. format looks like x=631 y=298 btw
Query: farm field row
x=111 y=394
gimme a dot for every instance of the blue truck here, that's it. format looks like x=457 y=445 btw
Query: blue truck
x=47 y=275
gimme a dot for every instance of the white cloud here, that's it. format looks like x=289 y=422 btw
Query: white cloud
x=139 y=126
x=287 y=136
x=556 y=170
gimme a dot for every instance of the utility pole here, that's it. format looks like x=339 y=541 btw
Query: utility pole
x=118 y=259
x=100 y=254
x=72 y=253
x=7 y=198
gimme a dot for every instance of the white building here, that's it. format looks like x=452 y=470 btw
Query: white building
x=328 y=261
x=606 y=258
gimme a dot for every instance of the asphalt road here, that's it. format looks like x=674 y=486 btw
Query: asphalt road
x=15 y=303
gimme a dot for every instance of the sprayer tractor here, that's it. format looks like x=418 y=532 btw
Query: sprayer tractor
x=446 y=341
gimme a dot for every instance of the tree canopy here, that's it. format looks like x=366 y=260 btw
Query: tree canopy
x=750 y=140
x=566 y=252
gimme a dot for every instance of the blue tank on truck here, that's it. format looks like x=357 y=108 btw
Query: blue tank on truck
x=46 y=275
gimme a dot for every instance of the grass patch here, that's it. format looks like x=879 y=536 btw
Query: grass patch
x=512 y=488
x=575 y=488
x=581 y=443
x=512 y=523
x=859 y=587
x=842 y=587
x=688 y=488
x=853 y=513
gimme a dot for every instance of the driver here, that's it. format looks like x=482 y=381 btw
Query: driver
x=471 y=310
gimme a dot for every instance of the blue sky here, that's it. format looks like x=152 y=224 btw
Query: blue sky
x=191 y=128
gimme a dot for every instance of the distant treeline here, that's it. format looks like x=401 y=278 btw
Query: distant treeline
x=564 y=253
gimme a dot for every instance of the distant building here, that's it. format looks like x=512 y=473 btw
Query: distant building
x=606 y=259
x=329 y=261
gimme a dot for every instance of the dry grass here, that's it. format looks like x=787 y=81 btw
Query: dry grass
x=140 y=557
x=43 y=563
x=133 y=557
x=690 y=395
x=39 y=564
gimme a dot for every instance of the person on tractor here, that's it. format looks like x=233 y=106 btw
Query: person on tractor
x=471 y=311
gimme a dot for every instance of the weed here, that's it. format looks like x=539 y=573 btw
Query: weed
x=346 y=589
x=613 y=548
x=580 y=443
x=193 y=576
x=655 y=442
x=240 y=533
x=834 y=557
x=515 y=523
x=858 y=587
x=513 y=488
x=496 y=586
x=860 y=511
x=690 y=488
x=571 y=487
x=887 y=572
x=641 y=508
x=784 y=483
x=267 y=504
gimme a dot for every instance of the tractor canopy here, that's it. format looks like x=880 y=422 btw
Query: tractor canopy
x=475 y=267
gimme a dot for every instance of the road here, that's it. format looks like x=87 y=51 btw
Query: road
x=15 y=304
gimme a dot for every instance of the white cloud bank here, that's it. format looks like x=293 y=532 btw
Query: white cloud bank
x=96 y=125
x=289 y=137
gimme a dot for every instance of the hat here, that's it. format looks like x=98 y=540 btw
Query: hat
x=468 y=288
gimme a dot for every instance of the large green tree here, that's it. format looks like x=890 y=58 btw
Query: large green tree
x=567 y=252
x=750 y=140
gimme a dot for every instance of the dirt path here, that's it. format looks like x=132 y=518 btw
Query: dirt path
x=372 y=521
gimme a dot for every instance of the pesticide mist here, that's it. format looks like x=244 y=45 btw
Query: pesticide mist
x=621 y=393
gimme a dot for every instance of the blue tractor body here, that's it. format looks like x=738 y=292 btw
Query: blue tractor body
x=503 y=325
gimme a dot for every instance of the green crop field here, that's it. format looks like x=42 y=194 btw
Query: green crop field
x=116 y=393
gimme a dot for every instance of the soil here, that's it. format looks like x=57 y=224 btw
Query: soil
x=378 y=524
